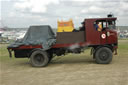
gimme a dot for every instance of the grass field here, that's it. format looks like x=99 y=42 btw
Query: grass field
x=72 y=69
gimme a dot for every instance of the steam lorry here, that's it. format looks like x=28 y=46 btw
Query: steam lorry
x=40 y=44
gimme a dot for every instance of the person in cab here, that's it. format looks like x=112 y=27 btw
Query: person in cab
x=98 y=26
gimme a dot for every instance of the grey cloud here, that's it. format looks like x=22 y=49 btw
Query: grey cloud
x=66 y=10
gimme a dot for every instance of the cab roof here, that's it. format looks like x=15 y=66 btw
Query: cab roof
x=95 y=19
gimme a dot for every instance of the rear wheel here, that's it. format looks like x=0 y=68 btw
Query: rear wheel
x=39 y=58
x=103 y=55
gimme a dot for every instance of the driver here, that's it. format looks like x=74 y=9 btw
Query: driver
x=98 y=26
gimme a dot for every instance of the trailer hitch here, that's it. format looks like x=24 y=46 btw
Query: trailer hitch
x=10 y=53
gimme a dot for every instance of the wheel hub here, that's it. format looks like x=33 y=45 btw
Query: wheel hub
x=39 y=59
x=103 y=56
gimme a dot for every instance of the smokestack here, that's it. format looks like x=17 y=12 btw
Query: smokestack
x=110 y=15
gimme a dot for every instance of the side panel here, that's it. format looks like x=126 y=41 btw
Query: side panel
x=70 y=37
x=21 y=53
x=92 y=36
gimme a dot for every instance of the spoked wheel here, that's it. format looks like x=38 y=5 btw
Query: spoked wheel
x=103 y=55
x=39 y=58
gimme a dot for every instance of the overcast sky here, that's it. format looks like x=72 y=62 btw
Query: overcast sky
x=23 y=13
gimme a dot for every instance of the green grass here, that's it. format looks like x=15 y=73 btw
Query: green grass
x=123 y=46
x=3 y=52
x=4 y=55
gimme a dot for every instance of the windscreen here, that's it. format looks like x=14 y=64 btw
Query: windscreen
x=111 y=25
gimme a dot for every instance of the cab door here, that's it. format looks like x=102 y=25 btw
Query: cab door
x=103 y=34
x=111 y=32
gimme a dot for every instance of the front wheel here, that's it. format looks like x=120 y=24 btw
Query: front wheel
x=39 y=58
x=103 y=55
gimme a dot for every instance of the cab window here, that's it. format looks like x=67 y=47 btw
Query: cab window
x=104 y=25
x=111 y=25
x=98 y=25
